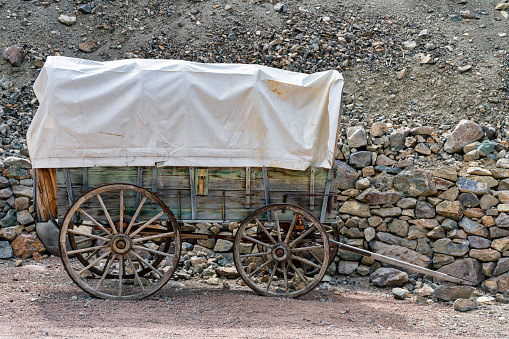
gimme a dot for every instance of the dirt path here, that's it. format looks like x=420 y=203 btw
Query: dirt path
x=39 y=300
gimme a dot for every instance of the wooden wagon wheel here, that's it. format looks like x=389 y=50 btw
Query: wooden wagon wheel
x=276 y=261
x=115 y=253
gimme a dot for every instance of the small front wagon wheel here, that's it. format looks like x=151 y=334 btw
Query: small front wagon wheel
x=281 y=250
x=127 y=245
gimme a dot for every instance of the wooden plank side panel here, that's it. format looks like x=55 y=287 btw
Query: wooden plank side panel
x=171 y=180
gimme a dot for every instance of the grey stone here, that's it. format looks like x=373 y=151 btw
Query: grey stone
x=387 y=212
x=436 y=233
x=48 y=233
x=5 y=250
x=397 y=138
x=355 y=208
x=360 y=159
x=24 y=217
x=223 y=245
x=388 y=277
x=451 y=293
x=347 y=176
x=5 y=193
x=423 y=210
x=469 y=199
x=415 y=183
x=356 y=137
x=381 y=198
x=446 y=246
x=424 y=248
x=500 y=173
x=501 y=282
x=502 y=220
x=440 y=260
x=383 y=160
x=502 y=266
x=406 y=203
x=394 y=240
x=399 y=227
x=488 y=201
x=400 y=293
x=383 y=181
x=464 y=133
x=503 y=184
x=467 y=185
x=449 y=224
x=473 y=228
x=496 y=232
x=9 y=219
x=503 y=163
x=347 y=267
x=400 y=253
x=468 y=269
x=478 y=242
x=464 y=305
x=23 y=191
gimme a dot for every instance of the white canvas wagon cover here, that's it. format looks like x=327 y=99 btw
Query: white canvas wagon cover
x=178 y=113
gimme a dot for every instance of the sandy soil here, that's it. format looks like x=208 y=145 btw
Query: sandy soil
x=39 y=300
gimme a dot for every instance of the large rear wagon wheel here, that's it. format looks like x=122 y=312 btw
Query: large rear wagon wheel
x=283 y=257
x=127 y=246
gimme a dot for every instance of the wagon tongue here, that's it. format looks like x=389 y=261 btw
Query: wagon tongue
x=403 y=264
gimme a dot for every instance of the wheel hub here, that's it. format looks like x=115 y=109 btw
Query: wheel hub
x=281 y=252
x=121 y=243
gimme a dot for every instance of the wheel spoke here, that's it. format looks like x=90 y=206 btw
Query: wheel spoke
x=294 y=221
x=94 y=262
x=138 y=210
x=274 y=268
x=303 y=249
x=144 y=248
x=95 y=222
x=285 y=275
x=316 y=257
x=93 y=236
x=146 y=224
x=302 y=236
x=155 y=236
x=111 y=259
x=255 y=241
x=140 y=259
x=305 y=261
x=254 y=254
x=95 y=248
x=261 y=267
x=278 y=227
x=136 y=276
x=120 y=273
x=107 y=214
x=91 y=254
x=304 y=279
x=260 y=224
x=121 y=223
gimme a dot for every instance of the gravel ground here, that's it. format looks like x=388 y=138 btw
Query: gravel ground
x=39 y=300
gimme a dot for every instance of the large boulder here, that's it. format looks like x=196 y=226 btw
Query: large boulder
x=388 y=277
x=469 y=269
x=464 y=133
x=400 y=253
x=347 y=176
x=415 y=183
x=356 y=137
x=501 y=282
x=451 y=293
x=26 y=245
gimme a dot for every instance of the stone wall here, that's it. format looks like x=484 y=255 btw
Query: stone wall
x=16 y=217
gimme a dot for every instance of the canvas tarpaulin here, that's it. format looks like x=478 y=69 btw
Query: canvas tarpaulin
x=177 y=113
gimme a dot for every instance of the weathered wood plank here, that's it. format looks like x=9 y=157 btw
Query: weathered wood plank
x=47 y=198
